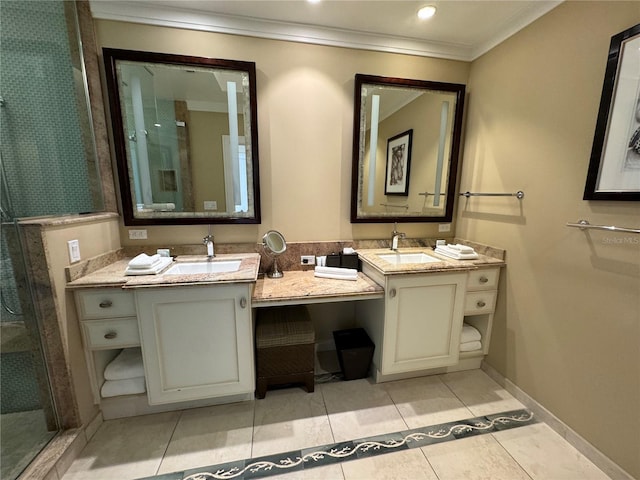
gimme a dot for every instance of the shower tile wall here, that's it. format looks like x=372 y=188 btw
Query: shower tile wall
x=44 y=157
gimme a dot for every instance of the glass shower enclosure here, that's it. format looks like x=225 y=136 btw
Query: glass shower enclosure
x=47 y=167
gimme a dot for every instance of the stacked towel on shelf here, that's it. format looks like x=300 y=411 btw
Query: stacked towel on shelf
x=457 y=251
x=336 y=273
x=470 y=338
x=144 y=264
x=124 y=375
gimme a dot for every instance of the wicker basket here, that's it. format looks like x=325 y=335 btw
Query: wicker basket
x=284 y=348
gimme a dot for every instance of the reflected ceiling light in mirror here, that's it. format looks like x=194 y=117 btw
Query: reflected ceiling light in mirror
x=426 y=12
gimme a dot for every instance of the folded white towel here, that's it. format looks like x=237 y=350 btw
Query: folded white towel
x=129 y=386
x=128 y=364
x=336 y=273
x=469 y=334
x=144 y=261
x=452 y=253
x=470 y=346
x=462 y=248
x=157 y=267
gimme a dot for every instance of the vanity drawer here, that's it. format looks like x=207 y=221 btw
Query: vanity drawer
x=479 y=302
x=483 y=279
x=105 y=303
x=118 y=333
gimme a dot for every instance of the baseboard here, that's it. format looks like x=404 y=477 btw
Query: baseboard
x=599 y=459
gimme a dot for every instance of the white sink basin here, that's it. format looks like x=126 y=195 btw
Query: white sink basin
x=400 y=258
x=216 y=266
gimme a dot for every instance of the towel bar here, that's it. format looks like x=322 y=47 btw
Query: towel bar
x=427 y=194
x=392 y=205
x=519 y=194
x=585 y=225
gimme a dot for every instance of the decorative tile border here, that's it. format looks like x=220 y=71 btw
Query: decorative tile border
x=352 y=450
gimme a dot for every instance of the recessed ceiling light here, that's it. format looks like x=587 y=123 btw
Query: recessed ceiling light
x=426 y=12
x=314 y=1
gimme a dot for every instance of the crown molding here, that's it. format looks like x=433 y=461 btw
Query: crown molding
x=166 y=16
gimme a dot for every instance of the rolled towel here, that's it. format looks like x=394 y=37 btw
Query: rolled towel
x=144 y=261
x=129 y=386
x=469 y=334
x=336 y=273
x=470 y=346
x=128 y=364
x=161 y=206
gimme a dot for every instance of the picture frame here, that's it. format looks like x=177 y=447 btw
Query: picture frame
x=398 y=164
x=614 y=166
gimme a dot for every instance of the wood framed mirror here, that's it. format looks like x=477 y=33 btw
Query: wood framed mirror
x=415 y=127
x=186 y=138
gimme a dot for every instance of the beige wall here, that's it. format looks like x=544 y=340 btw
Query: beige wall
x=567 y=326
x=305 y=123
x=95 y=238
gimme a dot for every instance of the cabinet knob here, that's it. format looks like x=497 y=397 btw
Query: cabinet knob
x=110 y=335
x=483 y=279
x=243 y=302
x=481 y=303
x=392 y=292
x=106 y=304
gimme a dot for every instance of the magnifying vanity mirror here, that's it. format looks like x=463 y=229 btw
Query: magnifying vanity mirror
x=274 y=244
x=414 y=126
x=186 y=138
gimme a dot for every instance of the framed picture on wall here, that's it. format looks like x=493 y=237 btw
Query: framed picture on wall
x=614 y=167
x=398 y=164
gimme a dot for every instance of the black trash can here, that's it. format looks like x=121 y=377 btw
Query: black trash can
x=355 y=351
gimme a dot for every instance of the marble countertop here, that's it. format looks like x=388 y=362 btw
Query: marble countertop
x=298 y=287
x=371 y=257
x=113 y=275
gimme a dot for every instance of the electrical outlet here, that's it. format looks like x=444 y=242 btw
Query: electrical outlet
x=308 y=260
x=74 y=251
x=444 y=227
x=137 y=234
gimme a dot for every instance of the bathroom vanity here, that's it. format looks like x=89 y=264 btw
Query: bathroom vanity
x=416 y=327
x=196 y=327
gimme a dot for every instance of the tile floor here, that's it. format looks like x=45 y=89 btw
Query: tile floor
x=167 y=445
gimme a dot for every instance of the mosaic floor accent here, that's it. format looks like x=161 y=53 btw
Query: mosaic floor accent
x=352 y=450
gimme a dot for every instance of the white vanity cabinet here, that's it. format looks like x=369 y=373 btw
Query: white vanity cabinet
x=423 y=321
x=417 y=325
x=197 y=341
x=108 y=323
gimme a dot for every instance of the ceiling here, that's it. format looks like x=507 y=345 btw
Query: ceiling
x=460 y=30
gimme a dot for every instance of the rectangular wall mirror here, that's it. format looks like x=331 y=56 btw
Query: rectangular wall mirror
x=186 y=138
x=410 y=173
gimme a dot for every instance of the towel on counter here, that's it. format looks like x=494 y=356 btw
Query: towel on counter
x=144 y=261
x=128 y=364
x=456 y=254
x=155 y=268
x=470 y=346
x=469 y=334
x=129 y=386
x=462 y=248
x=336 y=273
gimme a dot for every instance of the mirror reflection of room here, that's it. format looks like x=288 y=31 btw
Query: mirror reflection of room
x=184 y=117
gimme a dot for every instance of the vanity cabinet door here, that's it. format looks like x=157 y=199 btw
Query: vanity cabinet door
x=196 y=342
x=423 y=321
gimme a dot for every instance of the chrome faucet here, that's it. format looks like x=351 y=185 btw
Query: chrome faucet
x=208 y=241
x=395 y=235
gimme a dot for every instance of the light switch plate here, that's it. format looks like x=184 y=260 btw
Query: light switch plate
x=444 y=227
x=210 y=205
x=74 y=251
